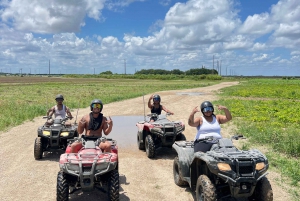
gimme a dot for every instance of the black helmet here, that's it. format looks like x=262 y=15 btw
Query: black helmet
x=59 y=96
x=206 y=104
x=96 y=101
x=156 y=97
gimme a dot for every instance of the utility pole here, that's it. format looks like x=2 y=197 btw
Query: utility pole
x=213 y=63
x=49 y=66
x=125 y=65
x=220 y=67
x=94 y=71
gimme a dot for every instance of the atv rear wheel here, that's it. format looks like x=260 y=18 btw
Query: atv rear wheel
x=263 y=191
x=205 y=190
x=180 y=137
x=38 y=148
x=62 y=188
x=141 y=145
x=113 y=186
x=150 y=147
x=177 y=173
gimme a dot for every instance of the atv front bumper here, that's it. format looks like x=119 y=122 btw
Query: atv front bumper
x=243 y=186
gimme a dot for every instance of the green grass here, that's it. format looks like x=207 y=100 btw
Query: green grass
x=268 y=113
x=25 y=99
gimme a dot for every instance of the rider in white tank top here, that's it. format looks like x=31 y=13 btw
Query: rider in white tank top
x=60 y=114
x=209 y=129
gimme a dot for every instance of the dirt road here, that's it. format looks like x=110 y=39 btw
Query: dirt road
x=24 y=178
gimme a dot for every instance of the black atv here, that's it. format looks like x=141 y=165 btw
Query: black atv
x=53 y=136
x=222 y=173
x=160 y=133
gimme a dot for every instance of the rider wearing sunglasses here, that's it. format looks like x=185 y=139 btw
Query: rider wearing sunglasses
x=208 y=124
x=94 y=124
x=156 y=107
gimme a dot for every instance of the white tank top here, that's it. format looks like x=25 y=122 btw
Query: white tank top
x=60 y=114
x=208 y=129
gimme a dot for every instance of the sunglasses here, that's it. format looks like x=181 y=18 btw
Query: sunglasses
x=59 y=99
x=96 y=105
x=207 y=109
x=156 y=99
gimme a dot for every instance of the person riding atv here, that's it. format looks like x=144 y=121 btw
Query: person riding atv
x=208 y=124
x=156 y=107
x=59 y=110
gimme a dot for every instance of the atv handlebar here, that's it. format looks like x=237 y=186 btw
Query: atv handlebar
x=237 y=137
x=64 y=119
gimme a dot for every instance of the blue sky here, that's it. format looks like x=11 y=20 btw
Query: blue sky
x=245 y=37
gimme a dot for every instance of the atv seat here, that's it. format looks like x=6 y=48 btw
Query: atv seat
x=90 y=145
x=224 y=144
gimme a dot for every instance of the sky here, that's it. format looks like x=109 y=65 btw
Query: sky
x=235 y=37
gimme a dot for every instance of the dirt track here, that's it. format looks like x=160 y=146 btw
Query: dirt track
x=24 y=178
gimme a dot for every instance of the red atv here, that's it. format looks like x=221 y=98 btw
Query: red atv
x=160 y=133
x=88 y=169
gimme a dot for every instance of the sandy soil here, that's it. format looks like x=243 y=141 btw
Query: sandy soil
x=141 y=179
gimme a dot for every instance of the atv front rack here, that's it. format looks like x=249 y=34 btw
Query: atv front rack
x=88 y=164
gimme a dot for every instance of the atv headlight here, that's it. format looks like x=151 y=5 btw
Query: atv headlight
x=47 y=133
x=73 y=167
x=64 y=134
x=224 y=167
x=260 y=166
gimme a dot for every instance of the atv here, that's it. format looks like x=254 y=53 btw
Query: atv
x=223 y=172
x=88 y=169
x=53 y=135
x=160 y=133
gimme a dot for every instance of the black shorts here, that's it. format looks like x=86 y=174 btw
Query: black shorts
x=202 y=146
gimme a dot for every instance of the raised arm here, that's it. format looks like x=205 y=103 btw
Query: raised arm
x=191 y=121
x=108 y=124
x=224 y=118
x=149 y=102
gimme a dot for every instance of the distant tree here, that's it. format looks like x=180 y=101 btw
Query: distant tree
x=106 y=73
x=176 y=72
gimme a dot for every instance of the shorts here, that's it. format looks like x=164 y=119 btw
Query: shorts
x=202 y=146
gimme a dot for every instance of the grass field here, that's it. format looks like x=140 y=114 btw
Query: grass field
x=23 y=98
x=268 y=113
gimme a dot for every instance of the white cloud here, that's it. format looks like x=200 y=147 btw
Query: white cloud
x=188 y=37
x=258 y=47
x=165 y=2
x=262 y=57
x=53 y=16
x=259 y=24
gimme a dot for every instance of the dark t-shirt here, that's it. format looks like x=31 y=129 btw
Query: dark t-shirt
x=156 y=110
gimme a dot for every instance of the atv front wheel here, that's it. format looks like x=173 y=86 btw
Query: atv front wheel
x=113 y=186
x=177 y=173
x=62 y=188
x=205 y=190
x=180 y=137
x=38 y=148
x=263 y=191
x=150 y=147
x=141 y=145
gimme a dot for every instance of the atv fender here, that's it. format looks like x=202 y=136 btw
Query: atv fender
x=185 y=154
x=199 y=165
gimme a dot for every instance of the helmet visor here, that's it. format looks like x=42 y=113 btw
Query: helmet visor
x=96 y=105
x=59 y=99
x=156 y=99
x=207 y=109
